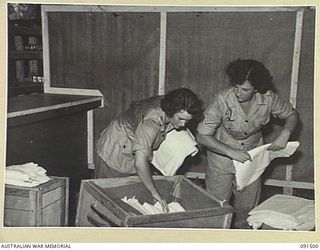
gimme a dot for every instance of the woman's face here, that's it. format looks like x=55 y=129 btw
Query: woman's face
x=244 y=92
x=180 y=119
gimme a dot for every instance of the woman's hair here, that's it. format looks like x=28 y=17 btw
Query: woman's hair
x=255 y=72
x=182 y=99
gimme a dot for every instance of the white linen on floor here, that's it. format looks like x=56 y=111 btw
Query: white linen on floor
x=249 y=171
x=26 y=175
x=147 y=208
x=284 y=212
x=173 y=150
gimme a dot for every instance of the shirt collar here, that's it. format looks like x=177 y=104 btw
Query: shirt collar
x=260 y=99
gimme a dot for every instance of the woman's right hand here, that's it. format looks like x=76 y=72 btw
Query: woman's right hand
x=162 y=202
x=240 y=155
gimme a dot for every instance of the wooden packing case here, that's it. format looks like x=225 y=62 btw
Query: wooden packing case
x=100 y=204
x=43 y=205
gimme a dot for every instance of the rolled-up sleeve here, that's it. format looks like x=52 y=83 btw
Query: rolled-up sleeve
x=212 y=119
x=280 y=108
x=145 y=135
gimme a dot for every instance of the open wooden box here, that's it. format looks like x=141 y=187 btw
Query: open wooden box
x=100 y=204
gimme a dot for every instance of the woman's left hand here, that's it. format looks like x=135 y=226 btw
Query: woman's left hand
x=281 y=141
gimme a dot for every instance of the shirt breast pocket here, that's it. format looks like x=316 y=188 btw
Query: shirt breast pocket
x=261 y=121
x=126 y=146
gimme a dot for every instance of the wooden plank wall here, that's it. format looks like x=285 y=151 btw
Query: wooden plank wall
x=200 y=45
x=118 y=54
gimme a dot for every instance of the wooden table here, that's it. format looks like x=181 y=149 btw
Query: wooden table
x=51 y=130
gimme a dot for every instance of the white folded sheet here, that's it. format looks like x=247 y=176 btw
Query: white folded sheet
x=173 y=150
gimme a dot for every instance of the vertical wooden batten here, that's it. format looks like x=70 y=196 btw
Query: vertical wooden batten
x=294 y=84
x=45 y=45
x=162 y=54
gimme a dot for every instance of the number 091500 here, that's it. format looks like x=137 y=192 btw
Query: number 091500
x=309 y=245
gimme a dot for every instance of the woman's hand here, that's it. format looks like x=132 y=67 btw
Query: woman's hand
x=280 y=142
x=162 y=202
x=239 y=155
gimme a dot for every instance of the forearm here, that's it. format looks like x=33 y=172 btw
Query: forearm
x=145 y=174
x=214 y=145
x=281 y=141
x=291 y=122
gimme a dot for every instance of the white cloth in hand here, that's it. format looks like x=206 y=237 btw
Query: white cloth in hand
x=249 y=171
x=173 y=150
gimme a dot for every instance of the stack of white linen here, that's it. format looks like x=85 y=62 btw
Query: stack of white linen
x=25 y=175
x=147 y=208
x=284 y=212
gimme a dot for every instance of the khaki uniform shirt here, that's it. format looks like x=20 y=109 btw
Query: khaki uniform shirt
x=142 y=127
x=226 y=120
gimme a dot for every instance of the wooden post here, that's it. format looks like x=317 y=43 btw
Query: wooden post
x=294 y=83
x=162 y=56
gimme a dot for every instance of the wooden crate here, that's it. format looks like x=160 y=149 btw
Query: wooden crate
x=43 y=205
x=100 y=204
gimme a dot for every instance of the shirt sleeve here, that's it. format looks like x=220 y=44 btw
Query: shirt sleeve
x=212 y=119
x=145 y=135
x=280 y=108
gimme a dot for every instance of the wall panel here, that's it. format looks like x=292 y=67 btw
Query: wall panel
x=200 y=45
x=116 y=53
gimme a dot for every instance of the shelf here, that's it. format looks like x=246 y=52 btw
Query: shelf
x=19 y=88
x=25 y=55
x=23 y=30
x=20 y=106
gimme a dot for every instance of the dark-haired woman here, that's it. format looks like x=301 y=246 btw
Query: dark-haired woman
x=125 y=147
x=232 y=125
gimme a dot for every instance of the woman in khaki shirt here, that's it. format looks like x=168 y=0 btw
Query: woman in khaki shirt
x=125 y=147
x=232 y=126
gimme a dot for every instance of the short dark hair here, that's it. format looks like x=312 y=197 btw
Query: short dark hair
x=255 y=72
x=182 y=99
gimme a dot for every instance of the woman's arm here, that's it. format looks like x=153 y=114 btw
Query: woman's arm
x=143 y=170
x=219 y=147
x=281 y=141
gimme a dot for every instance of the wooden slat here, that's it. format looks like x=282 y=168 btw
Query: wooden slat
x=289 y=184
x=90 y=139
x=45 y=47
x=162 y=57
x=123 y=8
x=294 y=84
